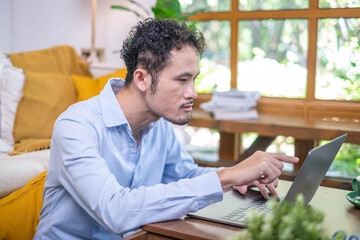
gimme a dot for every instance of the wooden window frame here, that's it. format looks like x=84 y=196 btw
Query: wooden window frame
x=308 y=106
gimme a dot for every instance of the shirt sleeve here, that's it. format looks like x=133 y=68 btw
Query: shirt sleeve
x=86 y=177
x=179 y=163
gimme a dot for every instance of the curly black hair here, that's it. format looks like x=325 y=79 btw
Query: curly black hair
x=149 y=44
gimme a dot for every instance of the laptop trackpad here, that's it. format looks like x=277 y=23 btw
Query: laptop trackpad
x=233 y=198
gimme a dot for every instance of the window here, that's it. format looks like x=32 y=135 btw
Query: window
x=273 y=52
x=308 y=50
x=338 y=59
x=215 y=62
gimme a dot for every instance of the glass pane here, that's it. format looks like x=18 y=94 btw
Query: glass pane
x=252 y=5
x=215 y=62
x=347 y=162
x=203 y=143
x=338 y=59
x=281 y=144
x=284 y=145
x=339 y=3
x=190 y=6
x=272 y=57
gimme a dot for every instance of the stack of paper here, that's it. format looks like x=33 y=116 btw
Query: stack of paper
x=233 y=105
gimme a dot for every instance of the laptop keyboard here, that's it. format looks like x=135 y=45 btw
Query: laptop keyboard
x=239 y=215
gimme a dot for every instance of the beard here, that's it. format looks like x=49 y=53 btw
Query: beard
x=180 y=121
x=184 y=120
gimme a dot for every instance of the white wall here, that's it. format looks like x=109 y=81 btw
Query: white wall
x=36 y=24
x=5 y=26
x=113 y=25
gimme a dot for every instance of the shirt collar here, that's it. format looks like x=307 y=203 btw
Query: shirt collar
x=113 y=115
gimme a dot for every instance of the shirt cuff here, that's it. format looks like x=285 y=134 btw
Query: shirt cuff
x=208 y=189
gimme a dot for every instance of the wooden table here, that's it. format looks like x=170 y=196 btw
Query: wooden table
x=339 y=214
x=305 y=130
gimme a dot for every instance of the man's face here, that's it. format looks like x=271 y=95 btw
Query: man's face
x=174 y=94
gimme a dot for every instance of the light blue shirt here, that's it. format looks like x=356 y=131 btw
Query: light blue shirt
x=100 y=185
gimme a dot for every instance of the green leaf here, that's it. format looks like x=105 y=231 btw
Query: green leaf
x=163 y=13
x=171 y=5
x=174 y=5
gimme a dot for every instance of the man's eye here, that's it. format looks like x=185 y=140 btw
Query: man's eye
x=182 y=80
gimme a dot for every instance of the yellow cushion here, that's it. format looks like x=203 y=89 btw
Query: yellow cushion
x=20 y=210
x=88 y=87
x=47 y=92
x=48 y=95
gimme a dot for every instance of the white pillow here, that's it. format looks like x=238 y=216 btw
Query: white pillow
x=14 y=174
x=16 y=171
x=12 y=85
x=4 y=60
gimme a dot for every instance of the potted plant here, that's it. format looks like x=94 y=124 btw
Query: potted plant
x=287 y=221
x=162 y=9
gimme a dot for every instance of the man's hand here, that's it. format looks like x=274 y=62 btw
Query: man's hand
x=261 y=168
x=262 y=187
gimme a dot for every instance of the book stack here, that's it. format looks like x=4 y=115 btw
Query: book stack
x=233 y=105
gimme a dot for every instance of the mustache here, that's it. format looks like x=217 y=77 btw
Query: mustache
x=187 y=103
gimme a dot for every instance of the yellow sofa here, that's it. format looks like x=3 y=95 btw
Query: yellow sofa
x=20 y=210
x=55 y=79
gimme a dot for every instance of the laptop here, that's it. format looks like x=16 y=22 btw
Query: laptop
x=232 y=210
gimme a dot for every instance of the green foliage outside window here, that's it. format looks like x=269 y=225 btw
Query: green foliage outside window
x=338 y=71
x=246 y=5
x=205 y=69
x=347 y=162
x=339 y=3
x=272 y=57
x=207 y=5
x=215 y=61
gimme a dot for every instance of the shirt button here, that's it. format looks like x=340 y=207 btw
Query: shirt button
x=211 y=201
x=131 y=145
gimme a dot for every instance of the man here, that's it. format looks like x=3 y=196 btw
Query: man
x=115 y=162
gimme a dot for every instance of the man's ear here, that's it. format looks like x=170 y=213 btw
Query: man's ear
x=142 y=79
